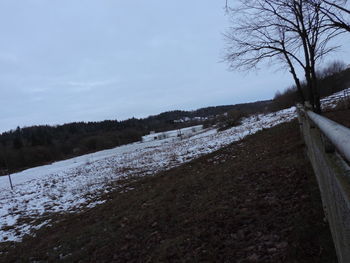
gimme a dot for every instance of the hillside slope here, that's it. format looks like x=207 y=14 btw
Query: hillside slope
x=71 y=185
x=38 y=145
x=255 y=200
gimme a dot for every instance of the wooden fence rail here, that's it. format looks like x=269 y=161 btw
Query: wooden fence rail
x=328 y=148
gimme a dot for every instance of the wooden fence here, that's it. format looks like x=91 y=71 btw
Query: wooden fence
x=328 y=148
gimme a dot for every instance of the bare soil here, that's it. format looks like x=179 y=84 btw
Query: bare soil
x=254 y=201
x=340 y=116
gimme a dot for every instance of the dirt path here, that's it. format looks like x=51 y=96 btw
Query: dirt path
x=253 y=201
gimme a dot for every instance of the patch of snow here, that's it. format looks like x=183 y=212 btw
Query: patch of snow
x=331 y=101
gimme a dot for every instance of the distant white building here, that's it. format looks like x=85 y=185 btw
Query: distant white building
x=181 y=133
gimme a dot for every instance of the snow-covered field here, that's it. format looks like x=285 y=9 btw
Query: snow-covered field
x=71 y=185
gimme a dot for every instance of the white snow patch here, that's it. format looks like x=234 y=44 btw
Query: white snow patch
x=331 y=101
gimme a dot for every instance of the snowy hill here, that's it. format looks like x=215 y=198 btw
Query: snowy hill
x=71 y=185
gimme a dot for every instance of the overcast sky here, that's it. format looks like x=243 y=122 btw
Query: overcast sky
x=71 y=60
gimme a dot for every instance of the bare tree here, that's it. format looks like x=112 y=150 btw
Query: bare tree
x=289 y=31
x=252 y=41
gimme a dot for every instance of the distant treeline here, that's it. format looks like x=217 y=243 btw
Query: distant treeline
x=32 y=146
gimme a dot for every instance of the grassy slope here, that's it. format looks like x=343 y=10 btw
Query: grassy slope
x=253 y=201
